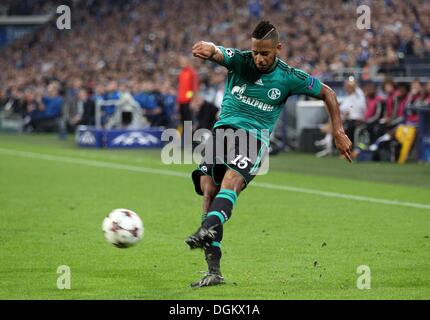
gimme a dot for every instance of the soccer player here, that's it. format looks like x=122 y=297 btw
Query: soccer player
x=257 y=88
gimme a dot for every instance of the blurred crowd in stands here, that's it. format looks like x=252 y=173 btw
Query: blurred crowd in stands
x=373 y=116
x=135 y=47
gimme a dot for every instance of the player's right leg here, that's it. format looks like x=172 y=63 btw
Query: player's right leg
x=220 y=211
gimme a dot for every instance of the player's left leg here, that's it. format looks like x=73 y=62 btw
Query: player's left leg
x=219 y=212
x=209 y=189
x=221 y=208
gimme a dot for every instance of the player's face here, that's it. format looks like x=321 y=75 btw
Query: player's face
x=264 y=53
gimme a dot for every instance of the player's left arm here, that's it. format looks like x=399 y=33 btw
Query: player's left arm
x=343 y=144
x=302 y=83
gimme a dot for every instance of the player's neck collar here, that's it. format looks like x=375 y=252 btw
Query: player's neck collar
x=275 y=64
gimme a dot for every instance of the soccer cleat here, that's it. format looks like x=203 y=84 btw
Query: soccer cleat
x=203 y=238
x=209 y=279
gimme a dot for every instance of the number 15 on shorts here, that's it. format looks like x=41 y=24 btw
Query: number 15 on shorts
x=241 y=162
x=261 y=166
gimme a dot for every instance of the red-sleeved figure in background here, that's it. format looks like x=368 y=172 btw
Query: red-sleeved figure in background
x=188 y=86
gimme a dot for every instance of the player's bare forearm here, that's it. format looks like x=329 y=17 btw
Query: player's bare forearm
x=341 y=139
x=330 y=99
x=208 y=51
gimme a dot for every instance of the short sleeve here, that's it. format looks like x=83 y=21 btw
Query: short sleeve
x=233 y=58
x=302 y=83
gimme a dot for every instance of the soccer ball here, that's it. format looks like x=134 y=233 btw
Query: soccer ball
x=123 y=228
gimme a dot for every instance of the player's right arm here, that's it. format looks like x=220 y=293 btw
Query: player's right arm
x=208 y=51
x=232 y=59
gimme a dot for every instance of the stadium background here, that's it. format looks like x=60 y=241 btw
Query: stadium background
x=335 y=217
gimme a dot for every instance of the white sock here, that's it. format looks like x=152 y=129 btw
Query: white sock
x=328 y=140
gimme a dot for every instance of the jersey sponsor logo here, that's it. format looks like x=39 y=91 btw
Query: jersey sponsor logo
x=274 y=93
x=238 y=93
x=259 y=82
x=229 y=52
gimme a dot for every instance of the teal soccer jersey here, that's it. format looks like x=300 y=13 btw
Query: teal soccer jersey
x=254 y=100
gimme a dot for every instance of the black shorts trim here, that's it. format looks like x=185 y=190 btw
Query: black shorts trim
x=217 y=166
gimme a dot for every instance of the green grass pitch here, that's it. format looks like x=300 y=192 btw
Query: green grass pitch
x=279 y=243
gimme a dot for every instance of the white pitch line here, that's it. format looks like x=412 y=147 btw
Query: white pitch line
x=94 y=163
x=343 y=195
x=118 y=166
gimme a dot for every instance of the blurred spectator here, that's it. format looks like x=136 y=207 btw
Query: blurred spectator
x=142 y=95
x=374 y=123
x=152 y=102
x=53 y=102
x=85 y=114
x=2 y=99
x=407 y=119
x=99 y=92
x=158 y=115
x=71 y=98
x=205 y=113
x=188 y=86
x=45 y=116
x=389 y=94
x=396 y=111
x=169 y=103
x=112 y=93
x=415 y=99
x=352 y=107
x=426 y=96
x=14 y=102
x=32 y=102
x=374 y=104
